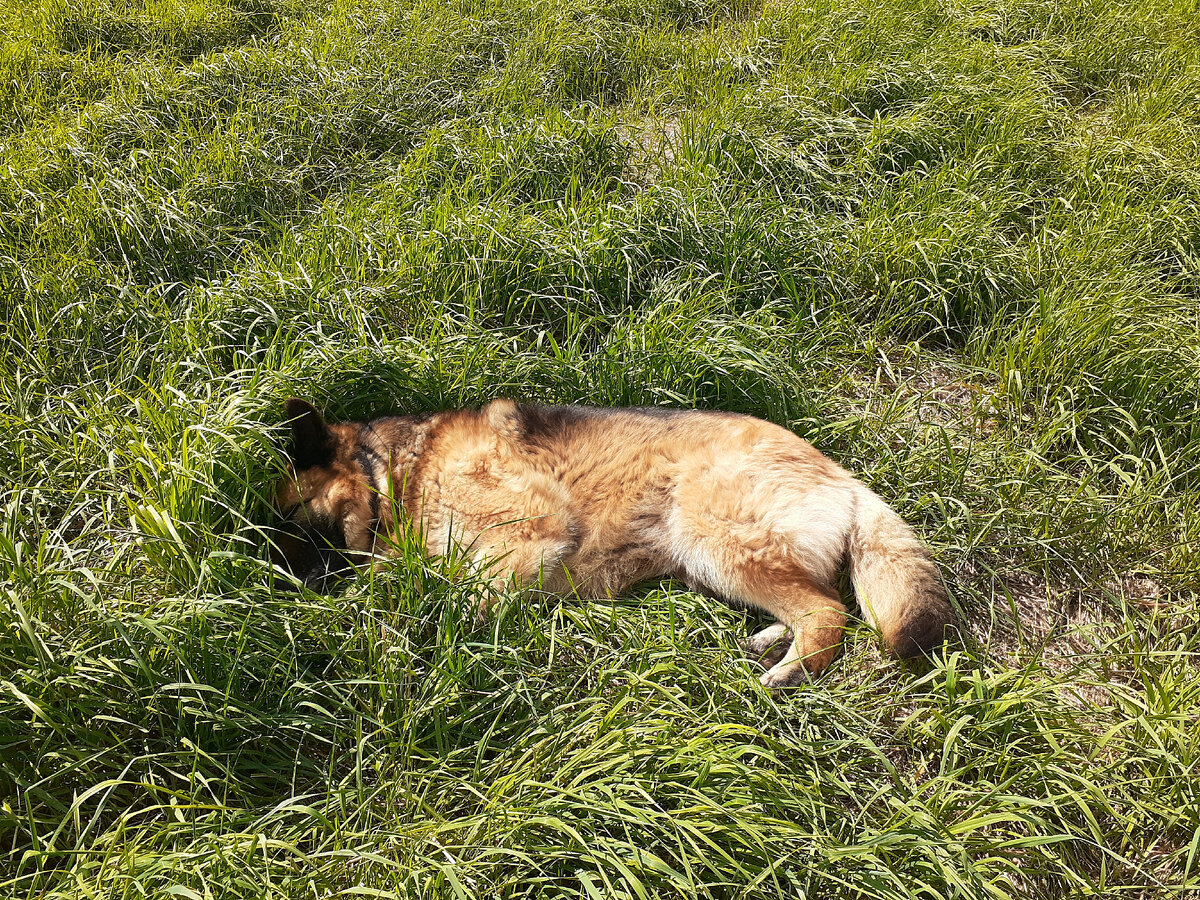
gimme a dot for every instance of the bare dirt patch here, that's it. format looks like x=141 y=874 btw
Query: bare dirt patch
x=964 y=401
x=1067 y=625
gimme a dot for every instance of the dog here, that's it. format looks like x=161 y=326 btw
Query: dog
x=593 y=501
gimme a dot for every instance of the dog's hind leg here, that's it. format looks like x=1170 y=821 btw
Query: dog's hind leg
x=769 y=645
x=818 y=620
x=813 y=613
x=776 y=584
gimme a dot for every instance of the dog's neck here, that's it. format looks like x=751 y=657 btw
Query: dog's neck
x=389 y=454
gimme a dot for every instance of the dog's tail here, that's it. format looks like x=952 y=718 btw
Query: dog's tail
x=899 y=589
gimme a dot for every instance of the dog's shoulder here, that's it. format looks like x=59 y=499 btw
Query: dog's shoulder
x=536 y=426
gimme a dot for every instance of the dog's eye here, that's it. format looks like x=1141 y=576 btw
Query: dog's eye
x=323 y=532
x=333 y=534
x=287 y=512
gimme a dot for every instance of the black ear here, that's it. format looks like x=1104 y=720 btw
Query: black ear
x=312 y=441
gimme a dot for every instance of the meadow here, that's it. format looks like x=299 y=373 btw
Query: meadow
x=953 y=243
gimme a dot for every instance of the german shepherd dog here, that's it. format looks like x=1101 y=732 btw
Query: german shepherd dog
x=595 y=500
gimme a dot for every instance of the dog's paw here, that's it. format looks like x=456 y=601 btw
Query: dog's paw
x=765 y=641
x=787 y=675
x=768 y=646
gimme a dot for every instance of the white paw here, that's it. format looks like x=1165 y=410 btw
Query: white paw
x=787 y=675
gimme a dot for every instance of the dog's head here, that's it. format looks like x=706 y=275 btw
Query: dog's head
x=325 y=501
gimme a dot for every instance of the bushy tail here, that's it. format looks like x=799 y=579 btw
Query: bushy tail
x=898 y=586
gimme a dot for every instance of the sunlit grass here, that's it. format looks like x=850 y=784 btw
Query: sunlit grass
x=957 y=246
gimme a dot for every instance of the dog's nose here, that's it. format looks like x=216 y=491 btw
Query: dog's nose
x=307 y=558
x=331 y=566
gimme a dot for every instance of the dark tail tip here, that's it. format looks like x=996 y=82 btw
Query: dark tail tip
x=925 y=629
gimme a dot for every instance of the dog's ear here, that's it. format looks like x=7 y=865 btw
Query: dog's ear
x=312 y=441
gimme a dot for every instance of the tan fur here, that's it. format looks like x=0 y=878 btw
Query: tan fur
x=596 y=500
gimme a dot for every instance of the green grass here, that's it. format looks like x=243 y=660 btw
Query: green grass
x=956 y=245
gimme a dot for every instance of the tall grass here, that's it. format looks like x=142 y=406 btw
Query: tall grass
x=956 y=245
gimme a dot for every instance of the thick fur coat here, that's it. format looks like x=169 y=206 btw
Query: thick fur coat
x=596 y=500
